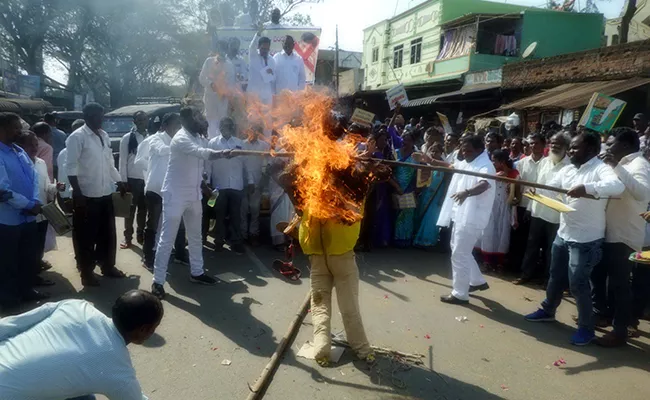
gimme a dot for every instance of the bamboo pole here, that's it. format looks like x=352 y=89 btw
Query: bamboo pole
x=418 y=166
x=267 y=373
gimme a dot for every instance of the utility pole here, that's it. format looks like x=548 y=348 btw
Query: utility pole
x=336 y=62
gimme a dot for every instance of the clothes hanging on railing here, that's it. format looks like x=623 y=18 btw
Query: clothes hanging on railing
x=505 y=45
x=457 y=42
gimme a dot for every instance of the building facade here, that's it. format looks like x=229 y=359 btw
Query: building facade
x=442 y=40
x=639 y=26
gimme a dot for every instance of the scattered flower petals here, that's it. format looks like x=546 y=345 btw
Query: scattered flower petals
x=385 y=296
x=215 y=348
x=504 y=387
x=482 y=326
x=427 y=336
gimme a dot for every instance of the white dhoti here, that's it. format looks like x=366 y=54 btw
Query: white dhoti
x=464 y=267
x=281 y=211
x=175 y=209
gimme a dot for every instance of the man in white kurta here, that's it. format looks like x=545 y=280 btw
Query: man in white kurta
x=255 y=167
x=261 y=81
x=181 y=192
x=468 y=205
x=289 y=68
x=219 y=82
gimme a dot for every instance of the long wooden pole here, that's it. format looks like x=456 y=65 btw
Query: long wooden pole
x=267 y=373
x=419 y=166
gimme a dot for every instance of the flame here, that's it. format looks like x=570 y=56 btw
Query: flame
x=328 y=181
x=322 y=164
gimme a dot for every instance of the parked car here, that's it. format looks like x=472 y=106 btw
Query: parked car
x=119 y=122
x=64 y=119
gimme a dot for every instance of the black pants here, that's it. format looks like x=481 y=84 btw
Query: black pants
x=136 y=187
x=610 y=286
x=228 y=203
x=94 y=234
x=154 y=211
x=41 y=229
x=640 y=292
x=19 y=263
x=540 y=237
x=518 y=239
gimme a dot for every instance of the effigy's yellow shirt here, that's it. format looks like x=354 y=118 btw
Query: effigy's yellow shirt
x=336 y=238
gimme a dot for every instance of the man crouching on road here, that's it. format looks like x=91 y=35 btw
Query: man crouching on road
x=70 y=349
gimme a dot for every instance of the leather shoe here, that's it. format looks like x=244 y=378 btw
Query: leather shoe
x=89 y=280
x=451 y=299
x=482 y=287
x=611 y=339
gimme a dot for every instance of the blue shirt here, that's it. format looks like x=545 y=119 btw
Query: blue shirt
x=58 y=143
x=18 y=176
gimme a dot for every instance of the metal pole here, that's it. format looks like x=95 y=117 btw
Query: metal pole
x=336 y=62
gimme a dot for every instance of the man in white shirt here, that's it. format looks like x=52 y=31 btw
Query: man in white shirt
x=229 y=176
x=219 y=81
x=133 y=176
x=261 y=78
x=468 y=205
x=153 y=156
x=451 y=148
x=92 y=175
x=578 y=245
x=70 y=349
x=528 y=168
x=181 y=193
x=544 y=222
x=624 y=235
x=256 y=167
x=276 y=15
x=248 y=19
x=289 y=68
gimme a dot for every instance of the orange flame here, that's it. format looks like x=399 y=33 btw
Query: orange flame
x=306 y=128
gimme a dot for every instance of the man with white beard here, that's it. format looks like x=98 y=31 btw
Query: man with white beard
x=544 y=221
x=181 y=193
x=468 y=205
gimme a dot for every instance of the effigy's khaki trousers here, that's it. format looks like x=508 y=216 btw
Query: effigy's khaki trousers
x=342 y=273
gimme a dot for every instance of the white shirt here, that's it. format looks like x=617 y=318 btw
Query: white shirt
x=142 y=155
x=186 y=164
x=46 y=189
x=547 y=170
x=289 y=72
x=624 y=225
x=257 y=65
x=128 y=168
x=222 y=73
x=64 y=350
x=90 y=159
x=587 y=223
x=156 y=154
x=528 y=170
x=475 y=210
x=255 y=165
x=241 y=70
x=63 y=174
x=452 y=158
x=227 y=173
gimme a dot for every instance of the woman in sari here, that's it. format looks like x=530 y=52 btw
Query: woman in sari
x=404 y=197
x=430 y=201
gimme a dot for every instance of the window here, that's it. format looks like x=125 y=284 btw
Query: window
x=398 y=54
x=615 y=40
x=416 y=50
x=375 y=54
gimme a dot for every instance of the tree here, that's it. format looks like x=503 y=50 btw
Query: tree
x=24 y=25
x=630 y=9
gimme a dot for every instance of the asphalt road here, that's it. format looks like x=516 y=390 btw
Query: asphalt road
x=493 y=354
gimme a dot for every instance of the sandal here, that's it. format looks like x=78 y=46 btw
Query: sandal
x=113 y=273
x=125 y=245
x=287 y=270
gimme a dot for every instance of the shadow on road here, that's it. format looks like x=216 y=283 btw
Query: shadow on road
x=558 y=334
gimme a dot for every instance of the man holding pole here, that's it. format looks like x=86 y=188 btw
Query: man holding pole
x=577 y=247
x=468 y=206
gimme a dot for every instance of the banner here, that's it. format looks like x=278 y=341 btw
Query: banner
x=9 y=81
x=602 y=112
x=397 y=95
x=307 y=43
x=30 y=85
x=362 y=117
x=444 y=121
